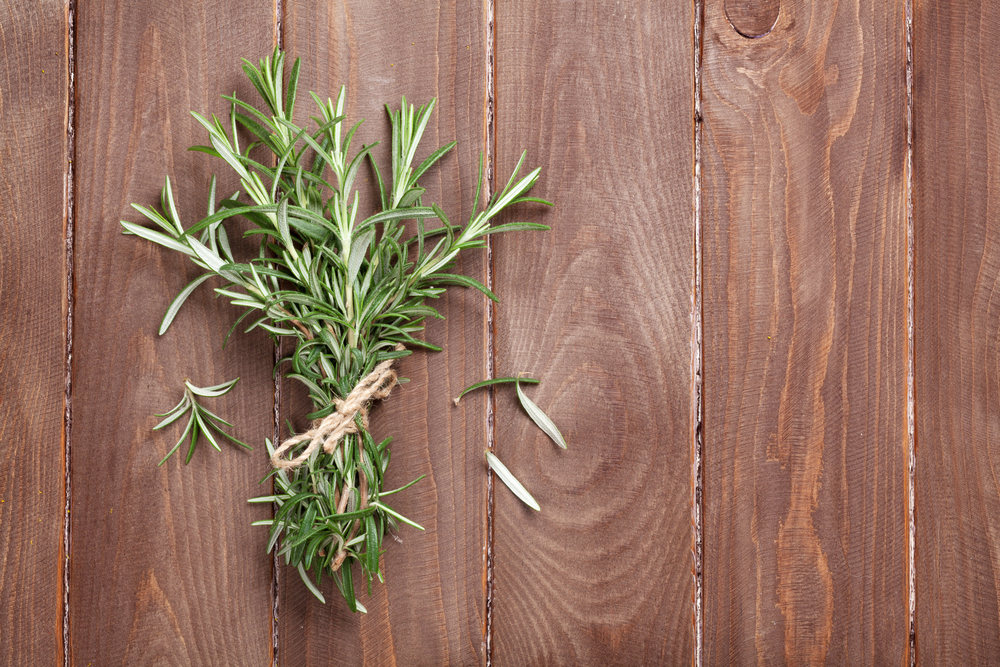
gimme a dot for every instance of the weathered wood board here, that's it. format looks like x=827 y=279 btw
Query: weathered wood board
x=599 y=309
x=757 y=152
x=165 y=565
x=805 y=337
x=956 y=214
x=33 y=277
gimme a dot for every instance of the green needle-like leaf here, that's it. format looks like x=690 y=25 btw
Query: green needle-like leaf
x=358 y=249
x=371 y=548
x=211 y=392
x=388 y=510
x=309 y=584
x=156 y=237
x=540 y=418
x=179 y=300
x=507 y=478
x=184 y=434
x=487 y=383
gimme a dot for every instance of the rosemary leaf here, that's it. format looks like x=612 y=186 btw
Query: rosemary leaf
x=176 y=304
x=486 y=383
x=540 y=417
x=507 y=478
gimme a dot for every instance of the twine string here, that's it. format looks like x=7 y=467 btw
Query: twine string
x=329 y=432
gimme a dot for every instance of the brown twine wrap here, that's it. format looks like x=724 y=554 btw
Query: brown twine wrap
x=374 y=386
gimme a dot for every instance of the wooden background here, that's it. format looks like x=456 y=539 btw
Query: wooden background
x=763 y=318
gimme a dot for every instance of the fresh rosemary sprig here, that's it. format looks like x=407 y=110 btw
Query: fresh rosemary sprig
x=346 y=290
x=201 y=421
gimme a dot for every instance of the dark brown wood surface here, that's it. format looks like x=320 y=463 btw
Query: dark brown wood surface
x=33 y=140
x=165 y=567
x=431 y=610
x=805 y=337
x=956 y=204
x=599 y=309
x=805 y=438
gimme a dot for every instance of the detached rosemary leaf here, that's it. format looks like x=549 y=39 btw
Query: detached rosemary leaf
x=486 y=383
x=536 y=414
x=507 y=478
x=540 y=417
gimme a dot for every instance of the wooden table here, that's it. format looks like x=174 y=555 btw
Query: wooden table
x=763 y=318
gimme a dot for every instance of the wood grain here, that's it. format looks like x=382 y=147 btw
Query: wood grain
x=166 y=568
x=804 y=310
x=805 y=434
x=956 y=213
x=33 y=115
x=430 y=611
x=598 y=309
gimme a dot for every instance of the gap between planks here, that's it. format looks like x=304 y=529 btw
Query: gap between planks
x=697 y=443
x=279 y=43
x=69 y=222
x=275 y=560
x=910 y=353
x=490 y=144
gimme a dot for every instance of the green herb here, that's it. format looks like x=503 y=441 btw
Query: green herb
x=511 y=481
x=539 y=417
x=350 y=292
x=541 y=420
x=487 y=383
x=202 y=421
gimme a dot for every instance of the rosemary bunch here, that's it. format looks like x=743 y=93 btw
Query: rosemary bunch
x=350 y=292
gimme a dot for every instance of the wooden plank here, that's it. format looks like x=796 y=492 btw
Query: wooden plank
x=805 y=330
x=431 y=608
x=599 y=309
x=33 y=114
x=956 y=203
x=165 y=565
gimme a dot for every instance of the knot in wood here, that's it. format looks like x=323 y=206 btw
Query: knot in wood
x=752 y=18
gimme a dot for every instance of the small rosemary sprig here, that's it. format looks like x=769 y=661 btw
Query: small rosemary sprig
x=350 y=292
x=202 y=421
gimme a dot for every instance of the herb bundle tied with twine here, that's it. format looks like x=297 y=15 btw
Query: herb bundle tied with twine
x=351 y=293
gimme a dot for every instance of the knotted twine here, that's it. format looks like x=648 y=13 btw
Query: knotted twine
x=328 y=432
